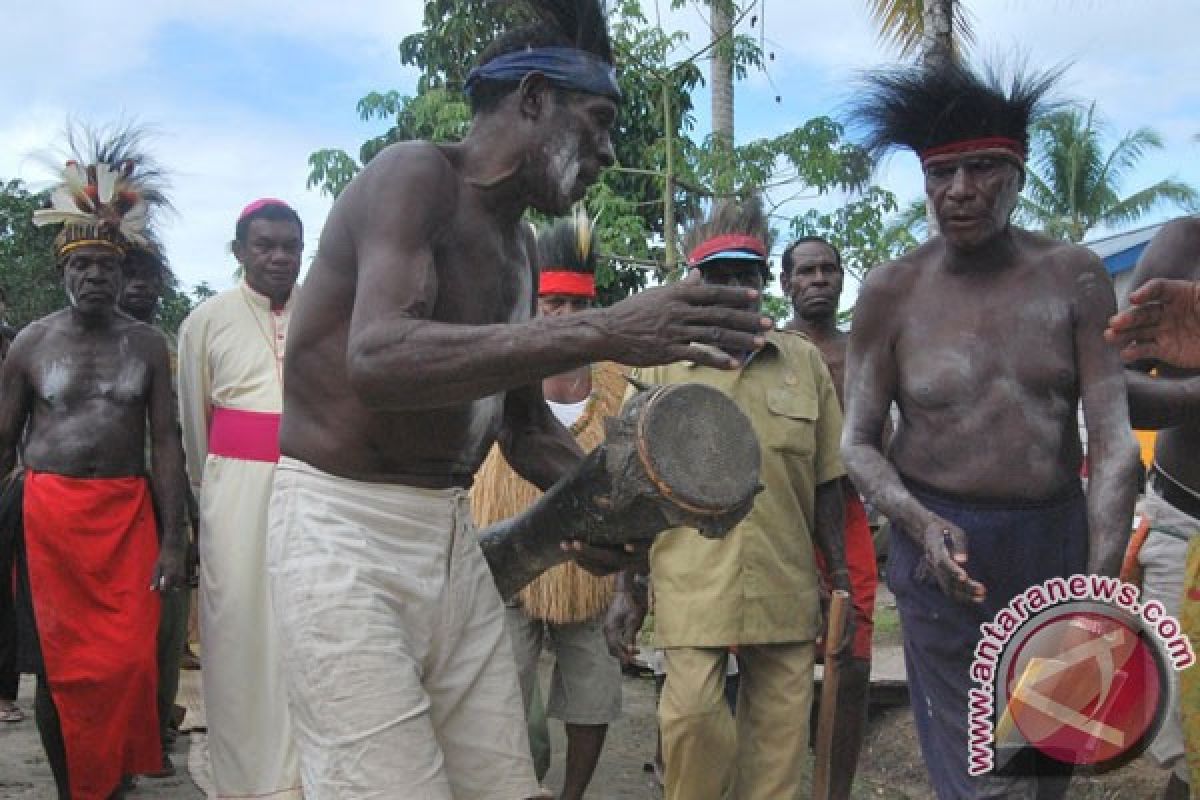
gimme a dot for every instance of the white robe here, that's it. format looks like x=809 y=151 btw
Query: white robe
x=231 y=356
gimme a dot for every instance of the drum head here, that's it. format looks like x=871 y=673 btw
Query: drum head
x=698 y=448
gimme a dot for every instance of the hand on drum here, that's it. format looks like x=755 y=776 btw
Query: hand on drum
x=663 y=325
x=621 y=625
x=600 y=560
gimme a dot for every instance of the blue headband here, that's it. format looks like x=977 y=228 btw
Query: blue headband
x=567 y=67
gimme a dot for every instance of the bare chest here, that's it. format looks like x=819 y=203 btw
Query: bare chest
x=969 y=352
x=71 y=379
x=483 y=278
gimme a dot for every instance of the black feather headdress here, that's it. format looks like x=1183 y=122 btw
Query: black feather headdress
x=568 y=43
x=109 y=192
x=949 y=108
x=567 y=257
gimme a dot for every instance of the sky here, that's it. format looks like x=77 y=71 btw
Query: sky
x=240 y=93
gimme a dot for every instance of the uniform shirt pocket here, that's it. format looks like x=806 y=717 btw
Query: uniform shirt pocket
x=793 y=419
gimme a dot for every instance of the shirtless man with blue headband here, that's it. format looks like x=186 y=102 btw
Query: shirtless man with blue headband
x=413 y=350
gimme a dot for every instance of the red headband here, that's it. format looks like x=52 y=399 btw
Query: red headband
x=260 y=204
x=969 y=145
x=727 y=241
x=576 y=284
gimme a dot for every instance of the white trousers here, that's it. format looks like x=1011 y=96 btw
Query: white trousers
x=399 y=670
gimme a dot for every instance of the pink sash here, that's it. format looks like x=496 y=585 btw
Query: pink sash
x=245 y=435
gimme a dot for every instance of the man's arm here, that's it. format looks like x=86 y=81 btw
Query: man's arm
x=1162 y=402
x=533 y=441
x=1169 y=399
x=399 y=358
x=871 y=386
x=1113 y=461
x=167 y=473
x=16 y=396
x=195 y=388
x=829 y=508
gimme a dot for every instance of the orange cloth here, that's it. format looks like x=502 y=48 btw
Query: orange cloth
x=91 y=547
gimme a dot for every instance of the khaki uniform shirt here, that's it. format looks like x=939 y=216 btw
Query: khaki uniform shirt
x=758 y=585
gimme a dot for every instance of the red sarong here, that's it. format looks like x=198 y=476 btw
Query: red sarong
x=91 y=548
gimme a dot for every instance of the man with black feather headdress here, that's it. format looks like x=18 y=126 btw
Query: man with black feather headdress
x=755 y=590
x=412 y=351
x=987 y=337
x=82 y=387
x=563 y=608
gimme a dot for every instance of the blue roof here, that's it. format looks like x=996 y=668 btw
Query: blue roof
x=1120 y=252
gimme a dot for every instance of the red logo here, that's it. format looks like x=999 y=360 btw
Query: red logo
x=1086 y=686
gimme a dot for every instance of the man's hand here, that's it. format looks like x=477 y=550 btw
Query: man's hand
x=1163 y=324
x=844 y=649
x=660 y=326
x=170 y=572
x=622 y=623
x=607 y=560
x=945 y=547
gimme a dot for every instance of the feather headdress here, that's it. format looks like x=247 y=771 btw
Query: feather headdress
x=566 y=257
x=109 y=190
x=736 y=229
x=949 y=108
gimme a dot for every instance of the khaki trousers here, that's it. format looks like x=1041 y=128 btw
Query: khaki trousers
x=758 y=755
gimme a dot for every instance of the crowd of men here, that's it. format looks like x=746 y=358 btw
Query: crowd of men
x=329 y=452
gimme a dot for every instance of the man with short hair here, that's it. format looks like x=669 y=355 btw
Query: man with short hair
x=231 y=395
x=811 y=276
x=413 y=351
x=986 y=337
x=81 y=388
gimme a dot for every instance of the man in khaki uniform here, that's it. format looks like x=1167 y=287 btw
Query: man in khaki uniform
x=756 y=589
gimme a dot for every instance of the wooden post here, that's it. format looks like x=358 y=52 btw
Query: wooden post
x=669 y=178
x=839 y=607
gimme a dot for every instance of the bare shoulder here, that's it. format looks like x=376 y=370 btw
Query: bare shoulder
x=893 y=279
x=1182 y=233
x=415 y=169
x=1056 y=257
x=1174 y=252
x=26 y=343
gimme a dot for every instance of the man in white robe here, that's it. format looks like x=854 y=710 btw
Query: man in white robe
x=231 y=396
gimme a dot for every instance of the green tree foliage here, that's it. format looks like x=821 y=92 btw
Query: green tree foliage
x=28 y=272
x=628 y=202
x=1073 y=184
x=864 y=230
x=30 y=276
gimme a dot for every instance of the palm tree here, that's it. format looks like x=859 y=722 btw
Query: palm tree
x=933 y=29
x=1072 y=185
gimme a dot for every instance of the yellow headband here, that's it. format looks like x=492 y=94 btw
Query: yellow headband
x=77 y=243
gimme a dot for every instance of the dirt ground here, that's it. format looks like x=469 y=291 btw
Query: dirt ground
x=891 y=767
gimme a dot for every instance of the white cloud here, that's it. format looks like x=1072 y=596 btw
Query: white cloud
x=1136 y=62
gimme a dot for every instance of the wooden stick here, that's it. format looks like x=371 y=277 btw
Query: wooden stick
x=839 y=607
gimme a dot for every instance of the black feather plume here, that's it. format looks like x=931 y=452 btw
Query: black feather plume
x=922 y=107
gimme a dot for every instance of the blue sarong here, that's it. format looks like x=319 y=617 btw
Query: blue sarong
x=1010 y=547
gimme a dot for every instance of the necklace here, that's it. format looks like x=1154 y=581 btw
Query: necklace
x=266 y=336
